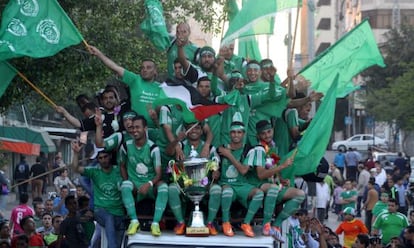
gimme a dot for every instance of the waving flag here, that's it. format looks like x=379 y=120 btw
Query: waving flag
x=154 y=25
x=36 y=28
x=7 y=73
x=256 y=17
x=194 y=106
x=312 y=146
x=354 y=52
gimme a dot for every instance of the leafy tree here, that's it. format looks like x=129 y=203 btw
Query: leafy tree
x=386 y=86
x=112 y=26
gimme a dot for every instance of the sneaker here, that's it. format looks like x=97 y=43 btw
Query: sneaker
x=276 y=234
x=155 y=230
x=247 y=229
x=179 y=229
x=227 y=229
x=212 y=229
x=133 y=228
x=266 y=229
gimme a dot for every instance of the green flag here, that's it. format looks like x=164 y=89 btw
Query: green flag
x=256 y=17
x=248 y=48
x=312 y=146
x=350 y=55
x=36 y=29
x=7 y=73
x=154 y=25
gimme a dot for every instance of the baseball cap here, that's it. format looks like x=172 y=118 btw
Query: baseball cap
x=349 y=210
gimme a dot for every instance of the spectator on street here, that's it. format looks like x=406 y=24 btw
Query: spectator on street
x=390 y=223
x=350 y=227
x=29 y=229
x=63 y=180
x=363 y=179
x=18 y=213
x=59 y=202
x=4 y=192
x=339 y=161
x=37 y=184
x=351 y=159
x=21 y=173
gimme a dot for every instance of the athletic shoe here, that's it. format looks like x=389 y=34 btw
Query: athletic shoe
x=266 y=229
x=212 y=229
x=247 y=229
x=276 y=234
x=133 y=228
x=179 y=229
x=155 y=230
x=227 y=229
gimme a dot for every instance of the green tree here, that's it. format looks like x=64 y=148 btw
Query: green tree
x=389 y=89
x=113 y=26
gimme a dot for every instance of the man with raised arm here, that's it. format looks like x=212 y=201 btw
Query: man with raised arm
x=106 y=178
x=143 y=88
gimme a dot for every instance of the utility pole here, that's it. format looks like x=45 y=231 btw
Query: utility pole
x=396 y=15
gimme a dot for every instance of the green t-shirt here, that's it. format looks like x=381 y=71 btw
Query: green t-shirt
x=348 y=194
x=189 y=50
x=257 y=156
x=186 y=147
x=169 y=115
x=379 y=208
x=143 y=93
x=271 y=108
x=390 y=225
x=141 y=162
x=115 y=140
x=234 y=63
x=229 y=173
x=283 y=124
x=243 y=105
x=106 y=189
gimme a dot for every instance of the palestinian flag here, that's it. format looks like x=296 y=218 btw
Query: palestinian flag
x=194 y=106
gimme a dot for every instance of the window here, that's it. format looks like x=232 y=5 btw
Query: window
x=324 y=3
x=324 y=24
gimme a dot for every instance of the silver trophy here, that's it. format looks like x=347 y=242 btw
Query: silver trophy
x=194 y=184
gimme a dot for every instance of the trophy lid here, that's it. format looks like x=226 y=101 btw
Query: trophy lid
x=194 y=158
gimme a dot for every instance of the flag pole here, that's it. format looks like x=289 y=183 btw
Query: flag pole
x=36 y=89
x=294 y=35
x=193 y=126
x=87 y=45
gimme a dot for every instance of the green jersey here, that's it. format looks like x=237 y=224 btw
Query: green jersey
x=348 y=194
x=143 y=94
x=390 y=225
x=243 y=105
x=115 y=140
x=141 y=162
x=379 y=208
x=282 y=128
x=189 y=49
x=258 y=156
x=268 y=109
x=186 y=147
x=229 y=173
x=106 y=193
x=234 y=63
x=169 y=115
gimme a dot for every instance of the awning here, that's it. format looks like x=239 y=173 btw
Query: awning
x=29 y=135
x=19 y=146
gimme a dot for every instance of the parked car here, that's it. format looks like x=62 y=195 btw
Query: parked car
x=389 y=156
x=360 y=142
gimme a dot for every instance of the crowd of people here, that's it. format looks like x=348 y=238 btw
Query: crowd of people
x=135 y=142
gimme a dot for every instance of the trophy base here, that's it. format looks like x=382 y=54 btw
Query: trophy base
x=197 y=232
